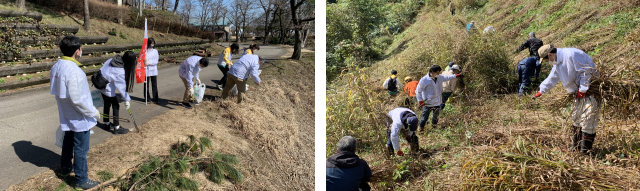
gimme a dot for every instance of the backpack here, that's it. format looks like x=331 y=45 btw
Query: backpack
x=392 y=86
x=99 y=81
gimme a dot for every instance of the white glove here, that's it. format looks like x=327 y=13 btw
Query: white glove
x=198 y=79
x=97 y=115
x=127 y=105
x=191 y=91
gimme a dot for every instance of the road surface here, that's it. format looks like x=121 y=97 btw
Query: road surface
x=29 y=119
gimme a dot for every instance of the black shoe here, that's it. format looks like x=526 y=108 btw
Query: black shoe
x=65 y=172
x=87 y=185
x=390 y=150
x=120 y=131
x=587 y=142
x=577 y=135
x=186 y=105
x=156 y=102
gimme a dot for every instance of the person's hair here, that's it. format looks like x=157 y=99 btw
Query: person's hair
x=234 y=48
x=130 y=63
x=394 y=72
x=150 y=41
x=347 y=143
x=204 y=62
x=254 y=46
x=435 y=68
x=69 y=45
x=554 y=50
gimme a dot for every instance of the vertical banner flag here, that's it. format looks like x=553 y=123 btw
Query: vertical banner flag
x=140 y=73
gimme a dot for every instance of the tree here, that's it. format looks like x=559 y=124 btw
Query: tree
x=298 y=24
x=205 y=11
x=187 y=8
x=267 y=8
x=175 y=7
x=164 y=5
x=86 y=16
x=244 y=7
x=21 y=4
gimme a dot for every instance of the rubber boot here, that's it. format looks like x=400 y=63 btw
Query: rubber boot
x=414 y=144
x=587 y=142
x=577 y=135
x=390 y=150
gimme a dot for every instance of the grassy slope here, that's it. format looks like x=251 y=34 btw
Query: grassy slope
x=99 y=27
x=497 y=142
x=271 y=132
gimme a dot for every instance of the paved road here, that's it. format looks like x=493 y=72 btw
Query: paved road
x=28 y=120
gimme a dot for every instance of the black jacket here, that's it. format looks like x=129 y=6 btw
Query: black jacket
x=346 y=171
x=533 y=44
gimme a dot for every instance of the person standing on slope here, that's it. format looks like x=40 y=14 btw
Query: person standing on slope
x=403 y=122
x=533 y=44
x=410 y=88
x=190 y=70
x=238 y=75
x=224 y=63
x=575 y=69
x=527 y=68
x=449 y=86
x=429 y=94
x=392 y=84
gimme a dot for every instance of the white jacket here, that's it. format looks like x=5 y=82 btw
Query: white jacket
x=430 y=91
x=245 y=66
x=70 y=86
x=575 y=69
x=190 y=68
x=152 y=64
x=116 y=79
x=397 y=125
x=449 y=86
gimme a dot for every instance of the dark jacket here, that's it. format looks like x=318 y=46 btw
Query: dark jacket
x=533 y=44
x=347 y=172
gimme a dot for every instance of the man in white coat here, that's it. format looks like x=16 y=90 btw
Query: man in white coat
x=405 y=122
x=75 y=109
x=575 y=69
x=189 y=70
x=429 y=94
x=239 y=74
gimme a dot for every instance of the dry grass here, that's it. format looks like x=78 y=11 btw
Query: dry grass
x=271 y=132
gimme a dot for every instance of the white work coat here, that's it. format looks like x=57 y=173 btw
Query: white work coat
x=116 y=79
x=245 y=66
x=575 y=69
x=152 y=62
x=190 y=68
x=397 y=125
x=430 y=91
x=70 y=86
x=449 y=86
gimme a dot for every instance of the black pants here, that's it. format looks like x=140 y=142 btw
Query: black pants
x=153 y=80
x=108 y=103
x=224 y=70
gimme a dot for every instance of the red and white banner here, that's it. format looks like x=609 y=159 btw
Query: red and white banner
x=140 y=73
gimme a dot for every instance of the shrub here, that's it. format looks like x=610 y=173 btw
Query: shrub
x=113 y=33
x=98 y=9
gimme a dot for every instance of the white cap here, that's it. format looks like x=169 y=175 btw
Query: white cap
x=455 y=67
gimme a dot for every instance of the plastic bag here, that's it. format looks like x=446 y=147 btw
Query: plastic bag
x=234 y=90
x=199 y=92
x=96 y=96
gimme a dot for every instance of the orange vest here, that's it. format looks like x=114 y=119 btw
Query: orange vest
x=410 y=88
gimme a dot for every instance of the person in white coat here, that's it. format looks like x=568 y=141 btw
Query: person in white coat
x=403 y=122
x=224 y=63
x=120 y=72
x=151 y=64
x=575 y=69
x=239 y=73
x=190 y=70
x=429 y=94
x=77 y=114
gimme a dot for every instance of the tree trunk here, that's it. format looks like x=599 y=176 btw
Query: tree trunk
x=175 y=8
x=164 y=5
x=297 y=46
x=87 y=24
x=21 y=5
x=282 y=35
x=304 y=37
x=267 y=27
x=140 y=8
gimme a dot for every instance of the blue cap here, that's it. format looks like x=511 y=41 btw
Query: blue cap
x=451 y=64
x=413 y=123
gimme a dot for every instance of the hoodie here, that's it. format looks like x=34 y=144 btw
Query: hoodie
x=347 y=172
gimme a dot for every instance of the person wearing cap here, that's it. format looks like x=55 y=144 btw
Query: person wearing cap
x=533 y=44
x=429 y=94
x=527 y=68
x=410 y=88
x=448 y=68
x=575 y=69
x=189 y=70
x=471 y=27
x=246 y=66
x=449 y=86
x=403 y=122
x=345 y=170
x=392 y=84
x=452 y=8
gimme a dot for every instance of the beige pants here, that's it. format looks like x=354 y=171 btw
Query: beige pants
x=187 y=95
x=585 y=113
x=241 y=86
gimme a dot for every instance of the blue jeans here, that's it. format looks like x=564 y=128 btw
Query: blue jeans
x=76 y=145
x=445 y=97
x=425 y=114
x=524 y=78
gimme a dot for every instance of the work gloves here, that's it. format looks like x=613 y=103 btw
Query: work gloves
x=198 y=80
x=580 y=94
x=400 y=153
x=537 y=95
x=97 y=115
x=127 y=105
x=191 y=91
x=460 y=75
x=421 y=103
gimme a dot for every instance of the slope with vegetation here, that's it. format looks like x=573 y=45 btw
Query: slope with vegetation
x=489 y=138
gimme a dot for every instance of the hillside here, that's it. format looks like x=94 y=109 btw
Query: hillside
x=490 y=139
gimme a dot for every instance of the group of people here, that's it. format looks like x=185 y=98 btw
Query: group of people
x=78 y=115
